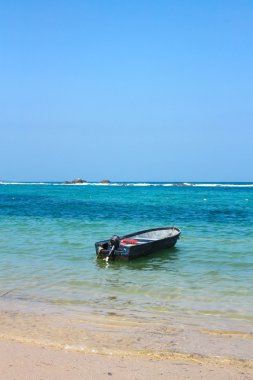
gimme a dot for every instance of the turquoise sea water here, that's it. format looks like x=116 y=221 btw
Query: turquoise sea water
x=47 y=253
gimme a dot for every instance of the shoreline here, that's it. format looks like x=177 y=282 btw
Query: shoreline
x=174 y=338
x=27 y=361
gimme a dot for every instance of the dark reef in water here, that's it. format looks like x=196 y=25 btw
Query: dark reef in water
x=182 y=184
x=75 y=181
x=78 y=181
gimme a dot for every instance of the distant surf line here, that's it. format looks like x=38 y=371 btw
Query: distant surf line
x=136 y=184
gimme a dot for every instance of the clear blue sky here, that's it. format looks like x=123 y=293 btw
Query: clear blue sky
x=128 y=90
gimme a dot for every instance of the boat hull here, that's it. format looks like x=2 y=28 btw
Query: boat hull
x=132 y=251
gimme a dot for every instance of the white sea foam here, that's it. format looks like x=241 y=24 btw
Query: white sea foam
x=25 y=183
x=72 y=184
x=141 y=184
x=222 y=185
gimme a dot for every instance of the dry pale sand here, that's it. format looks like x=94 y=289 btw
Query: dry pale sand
x=20 y=361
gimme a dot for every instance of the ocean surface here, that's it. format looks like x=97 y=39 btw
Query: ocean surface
x=48 y=262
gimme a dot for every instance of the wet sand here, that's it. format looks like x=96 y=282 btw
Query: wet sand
x=45 y=345
x=25 y=361
x=198 y=336
x=37 y=342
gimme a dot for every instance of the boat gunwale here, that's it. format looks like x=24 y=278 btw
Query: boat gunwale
x=155 y=229
x=144 y=231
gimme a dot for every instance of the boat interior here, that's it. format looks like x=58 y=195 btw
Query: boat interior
x=149 y=236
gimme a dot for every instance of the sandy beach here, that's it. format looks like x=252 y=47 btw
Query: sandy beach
x=44 y=347
x=25 y=361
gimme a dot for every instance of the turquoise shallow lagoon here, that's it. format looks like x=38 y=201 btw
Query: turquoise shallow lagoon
x=47 y=254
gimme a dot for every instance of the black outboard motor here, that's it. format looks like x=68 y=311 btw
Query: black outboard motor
x=114 y=242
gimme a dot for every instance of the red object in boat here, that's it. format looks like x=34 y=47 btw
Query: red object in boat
x=129 y=241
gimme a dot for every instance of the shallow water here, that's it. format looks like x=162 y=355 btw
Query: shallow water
x=47 y=254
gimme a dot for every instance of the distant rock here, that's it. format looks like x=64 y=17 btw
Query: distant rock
x=105 y=181
x=75 y=181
